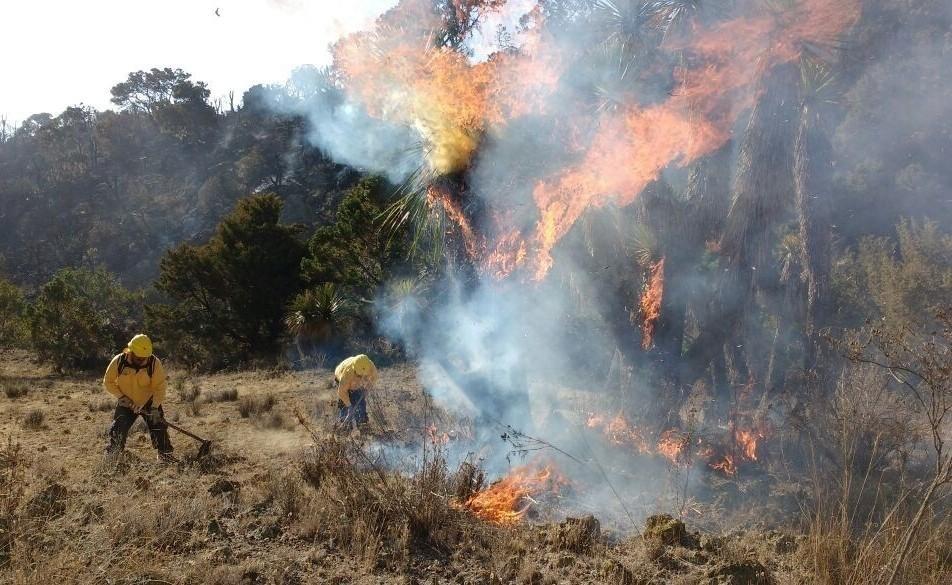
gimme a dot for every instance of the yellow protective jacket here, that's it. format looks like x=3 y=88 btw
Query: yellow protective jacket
x=136 y=384
x=353 y=373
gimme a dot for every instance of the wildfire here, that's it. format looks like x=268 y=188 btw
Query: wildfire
x=619 y=431
x=651 y=303
x=725 y=465
x=746 y=441
x=439 y=196
x=508 y=500
x=401 y=75
x=672 y=445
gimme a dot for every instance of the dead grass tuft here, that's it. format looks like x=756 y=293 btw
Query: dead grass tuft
x=14 y=389
x=102 y=404
x=230 y=395
x=33 y=419
x=251 y=405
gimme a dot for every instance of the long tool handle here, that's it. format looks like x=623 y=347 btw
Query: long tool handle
x=183 y=431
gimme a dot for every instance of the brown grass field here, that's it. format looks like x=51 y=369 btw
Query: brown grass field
x=277 y=502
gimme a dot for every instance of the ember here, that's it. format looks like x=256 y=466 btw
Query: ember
x=508 y=500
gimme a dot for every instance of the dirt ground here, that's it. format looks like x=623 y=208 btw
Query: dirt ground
x=244 y=515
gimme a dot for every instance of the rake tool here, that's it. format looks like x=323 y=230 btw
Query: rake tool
x=206 y=444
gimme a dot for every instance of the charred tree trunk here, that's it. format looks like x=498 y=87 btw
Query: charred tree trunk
x=813 y=170
x=762 y=189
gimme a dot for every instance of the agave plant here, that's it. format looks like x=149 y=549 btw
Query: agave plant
x=318 y=313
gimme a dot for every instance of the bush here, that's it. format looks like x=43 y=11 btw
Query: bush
x=13 y=324
x=33 y=419
x=187 y=391
x=81 y=318
x=230 y=395
x=102 y=404
x=230 y=293
x=900 y=280
x=253 y=405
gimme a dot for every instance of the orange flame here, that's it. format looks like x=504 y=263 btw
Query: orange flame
x=508 y=500
x=725 y=465
x=672 y=445
x=747 y=442
x=651 y=303
x=400 y=74
x=439 y=196
x=619 y=431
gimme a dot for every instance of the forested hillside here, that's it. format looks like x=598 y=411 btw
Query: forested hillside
x=118 y=188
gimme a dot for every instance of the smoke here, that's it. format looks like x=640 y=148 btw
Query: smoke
x=549 y=135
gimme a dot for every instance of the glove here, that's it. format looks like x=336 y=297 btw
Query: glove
x=127 y=402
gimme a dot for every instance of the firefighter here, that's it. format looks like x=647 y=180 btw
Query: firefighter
x=137 y=379
x=354 y=377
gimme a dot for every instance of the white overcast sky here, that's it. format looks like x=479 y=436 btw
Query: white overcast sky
x=57 y=53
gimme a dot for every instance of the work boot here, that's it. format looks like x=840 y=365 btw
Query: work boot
x=165 y=458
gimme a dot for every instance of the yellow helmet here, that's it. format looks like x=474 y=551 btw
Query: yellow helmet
x=141 y=346
x=363 y=366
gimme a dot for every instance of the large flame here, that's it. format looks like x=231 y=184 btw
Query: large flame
x=398 y=71
x=508 y=500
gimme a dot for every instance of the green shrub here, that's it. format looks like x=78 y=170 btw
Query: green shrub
x=13 y=324
x=81 y=318
x=229 y=295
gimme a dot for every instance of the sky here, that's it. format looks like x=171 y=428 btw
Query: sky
x=58 y=53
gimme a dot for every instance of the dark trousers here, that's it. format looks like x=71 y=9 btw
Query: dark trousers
x=357 y=411
x=122 y=421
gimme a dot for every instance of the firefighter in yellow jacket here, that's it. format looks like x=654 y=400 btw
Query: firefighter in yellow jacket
x=354 y=377
x=136 y=377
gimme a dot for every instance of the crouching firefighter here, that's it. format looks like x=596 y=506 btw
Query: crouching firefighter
x=354 y=377
x=136 y=377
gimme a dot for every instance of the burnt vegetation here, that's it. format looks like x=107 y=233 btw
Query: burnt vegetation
x=777 y=310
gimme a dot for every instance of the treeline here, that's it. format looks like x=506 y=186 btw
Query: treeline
x=238 y=298
x=117 y=189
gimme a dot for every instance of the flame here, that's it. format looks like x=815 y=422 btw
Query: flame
x=725 y=465
x=508 y=500
x=651 y=303
x=619 y=431
x=436 y=437
x=440 y=196
x=747 y=442
x=672 y=445
x=401 y=75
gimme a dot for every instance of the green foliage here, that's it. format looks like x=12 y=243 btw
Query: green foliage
x=13 y=325
x=903 y=283
x=319 y=313
x=81 y=318
x=229 y=295
x=356 y=252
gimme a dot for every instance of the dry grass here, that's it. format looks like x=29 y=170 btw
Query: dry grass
x=14 y=389
x=252 y=405
x=33 y=419
x=230 y=395
x=102 y=404
x=187 y=390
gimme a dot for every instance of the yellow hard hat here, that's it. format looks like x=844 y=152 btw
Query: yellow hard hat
x=363 y=366
x=141 y=346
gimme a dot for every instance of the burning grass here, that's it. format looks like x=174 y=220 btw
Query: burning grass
x=508 y=500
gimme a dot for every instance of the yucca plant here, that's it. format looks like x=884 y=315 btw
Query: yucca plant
x=318 y=313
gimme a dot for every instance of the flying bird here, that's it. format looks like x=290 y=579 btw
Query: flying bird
x=218 y=12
